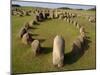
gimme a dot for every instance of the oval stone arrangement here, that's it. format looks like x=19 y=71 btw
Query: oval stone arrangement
x=58 y=43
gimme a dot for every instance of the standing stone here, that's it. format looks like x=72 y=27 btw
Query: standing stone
x=78 y=26
x=82 y=40
x=68 y=20
x=32 y=22
x=41 y=17
x=56 y=15
x=82 y=30
x=83 y=34
x=26 y=39
x=52 y=15
x=27 y=13
x=71 y=21
x=47 y=14
x=36 y=16
x=74 y=15
x=75 y=23
x=26 y=26
x=58 y=51
x=35 y=47
x=61 y=16
x=92 y=19
x=77 y=42
x=76 y=49
x=65 y=18
x=44 y=14
x=22 y=32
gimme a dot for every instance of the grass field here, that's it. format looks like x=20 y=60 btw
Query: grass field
x=23 y=60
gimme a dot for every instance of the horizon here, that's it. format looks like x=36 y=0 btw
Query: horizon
x=52 y=5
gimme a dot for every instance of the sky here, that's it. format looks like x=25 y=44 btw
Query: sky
x=87 y=2
x=51 y=5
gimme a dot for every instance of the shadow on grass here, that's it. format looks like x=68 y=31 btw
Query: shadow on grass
x=31 y=34
x=46 y=50
x=76 y=54
x=45 y=20
x=36 y=23
x=33 y=28
x=41 y=40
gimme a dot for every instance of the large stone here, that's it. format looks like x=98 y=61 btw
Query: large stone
x=82 y=29
x=65 y=19
x=83 y=34
x=47 y=14
x=52 y=16
x=36 y=16
x=71 y=21
x=58 y=51
x=68 y=20
x=22 y=32
x=35 y=47
x=41 y=17
x=56 y=15
x=78 y=26
x=26 y=25
x=82 y=40
x=77 y=42
x=92 y=19
x=75 y=23
x=61 y=16
x=27 y=39
x=76 y=47
x=32 y=22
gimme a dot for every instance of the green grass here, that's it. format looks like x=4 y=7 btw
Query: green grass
x=23 y=60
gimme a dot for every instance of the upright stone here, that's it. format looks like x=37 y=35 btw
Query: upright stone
x=58 y=51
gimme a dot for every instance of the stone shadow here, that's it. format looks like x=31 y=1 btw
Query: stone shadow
x=33 y=28
x=37 y=23
x=46 y=50
x=31 y=34
x=41 y=40
x=76 y=53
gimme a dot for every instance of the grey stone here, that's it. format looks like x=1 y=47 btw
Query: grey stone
x=58 y=51
x=35 y=47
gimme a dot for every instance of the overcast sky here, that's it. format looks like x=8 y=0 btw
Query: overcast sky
x=51 y=5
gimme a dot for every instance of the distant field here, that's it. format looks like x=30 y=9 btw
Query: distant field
x=23 y=60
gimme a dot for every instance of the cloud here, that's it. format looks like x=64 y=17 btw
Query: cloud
x=86 y=2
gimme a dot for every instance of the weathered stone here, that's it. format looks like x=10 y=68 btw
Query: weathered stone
x=71 y=21
x=83 y=34
x=76 y=47
x=65 y=19
x=68 y=20
x=35 y=47
x=26 y=39
x=82 y=40
x=75 y=23
x=58 y=51
x=26 y=26
x=78 y=26
x=92 y=19
x=22 y=32
x=41 y=17
x=77 y=42
x=82 y=29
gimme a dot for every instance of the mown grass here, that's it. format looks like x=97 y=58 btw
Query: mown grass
x=23 y=60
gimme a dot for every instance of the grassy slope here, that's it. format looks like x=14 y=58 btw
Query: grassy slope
x=22 y=56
